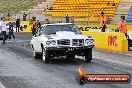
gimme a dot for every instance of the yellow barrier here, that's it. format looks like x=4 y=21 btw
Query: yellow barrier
x=109 y=41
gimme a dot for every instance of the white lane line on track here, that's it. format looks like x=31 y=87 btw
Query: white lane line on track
x=1 y=85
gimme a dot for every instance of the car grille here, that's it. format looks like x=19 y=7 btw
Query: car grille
x=77 y=42
x=63 y=42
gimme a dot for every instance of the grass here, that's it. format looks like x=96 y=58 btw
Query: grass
x=15 y=6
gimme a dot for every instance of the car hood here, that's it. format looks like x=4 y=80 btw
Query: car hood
x=66 y=35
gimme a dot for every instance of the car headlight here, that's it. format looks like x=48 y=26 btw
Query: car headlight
x=48 y=43
x=92 y=40
x=53 y=42
x=87 y=41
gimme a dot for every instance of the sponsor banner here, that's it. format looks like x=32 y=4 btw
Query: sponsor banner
x=82 y=78
x=24 y=26
x=97 y=27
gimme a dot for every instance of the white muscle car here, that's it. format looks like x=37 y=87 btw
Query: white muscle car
x=61 y=39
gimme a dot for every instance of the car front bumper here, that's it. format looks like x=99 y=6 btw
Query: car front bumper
x=69 y=48
x=63 y=51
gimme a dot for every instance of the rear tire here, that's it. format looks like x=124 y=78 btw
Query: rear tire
x=88 y=55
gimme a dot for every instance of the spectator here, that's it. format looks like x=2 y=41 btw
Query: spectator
x=103 y=22
x=67 y=18
x=17 y=24
x=47 y=7
x=24 y=16
x=47 y=21
x=72 y=19
x=3 y=29
x=33 y=18
x=108 y=4
x=122 y=26
x=113 y=4
x=8 y=17
x=34 y=25
x=38 y=24
x=11 y=30
x=50 y=8
x=108 y=20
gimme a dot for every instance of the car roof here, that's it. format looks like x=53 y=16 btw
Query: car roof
x=56 y=24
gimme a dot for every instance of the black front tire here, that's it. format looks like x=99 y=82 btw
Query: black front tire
x=45 y=55
x=37 y=55
x=88 y=55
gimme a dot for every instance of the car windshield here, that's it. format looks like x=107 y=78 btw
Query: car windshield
x=52 y=29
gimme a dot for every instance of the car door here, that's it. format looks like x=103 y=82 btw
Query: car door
x=36 y=41
x=39 y=41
